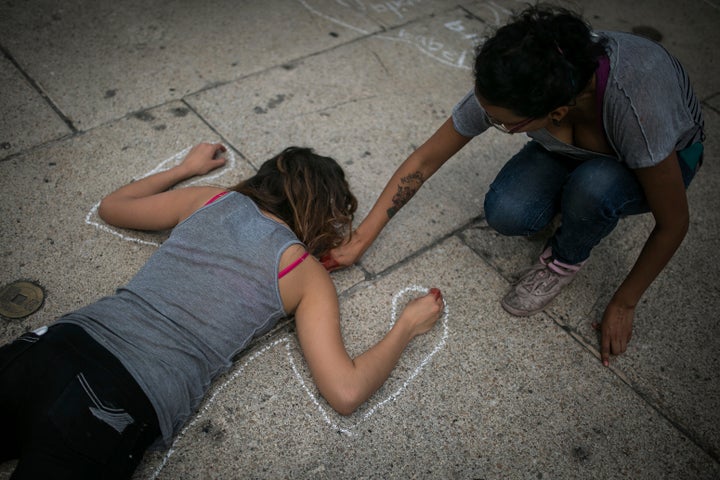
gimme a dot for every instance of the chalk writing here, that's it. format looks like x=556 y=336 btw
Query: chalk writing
x=453 y=47
x=398 y=7
x=92 y=219
x=440 y=51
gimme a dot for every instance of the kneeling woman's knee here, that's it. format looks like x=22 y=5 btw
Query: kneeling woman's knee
x=506 y=216
x=599 y=191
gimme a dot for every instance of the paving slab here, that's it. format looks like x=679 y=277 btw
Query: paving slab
x=482 y=396
x=687 y=29
x=364 y=81
x=402 y=96
x=27 y=119
x=100 y=60
x=48 y=229
x=714 y=102
x=672 y=358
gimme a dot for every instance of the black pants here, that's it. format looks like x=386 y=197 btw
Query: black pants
x=69 y=409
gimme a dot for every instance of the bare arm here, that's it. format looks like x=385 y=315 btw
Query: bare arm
x=665 y=193
x=146 y=204
x=401 y=187
x=345 y=382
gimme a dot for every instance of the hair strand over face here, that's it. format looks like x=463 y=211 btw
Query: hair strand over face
x=308 y=192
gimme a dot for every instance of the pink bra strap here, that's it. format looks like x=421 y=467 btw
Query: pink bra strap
x=290 y=267
x=215 y=198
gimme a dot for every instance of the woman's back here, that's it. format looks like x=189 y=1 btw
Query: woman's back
x=198 y=301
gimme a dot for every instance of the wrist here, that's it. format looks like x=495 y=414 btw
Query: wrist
x=181 y=172
x=361 y=240
x=369 y=229
x=404 y=329
x=623 y=300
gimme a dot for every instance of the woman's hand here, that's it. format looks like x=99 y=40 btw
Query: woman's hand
x=346 y=254
x=615 y=330
x=203 y=158
x=147 y=204
x=347 y=382
x=401 y=187
x=665 y=193
x=422 y=313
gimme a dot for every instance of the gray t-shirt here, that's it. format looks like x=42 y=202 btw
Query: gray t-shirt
x=198 y=301
x=649 y=107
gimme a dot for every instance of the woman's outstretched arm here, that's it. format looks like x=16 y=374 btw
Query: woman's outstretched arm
x=343 y=381
x=401 y=187
x=146 y=204
x=665 y=193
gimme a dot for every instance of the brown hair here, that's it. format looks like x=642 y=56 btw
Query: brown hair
x=307 y=191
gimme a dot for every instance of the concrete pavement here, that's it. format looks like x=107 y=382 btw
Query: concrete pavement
x=96 y=93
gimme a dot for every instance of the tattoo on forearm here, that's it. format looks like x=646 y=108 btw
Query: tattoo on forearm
x=409 y=185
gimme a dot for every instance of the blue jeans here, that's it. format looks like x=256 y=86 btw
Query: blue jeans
x=535 y=185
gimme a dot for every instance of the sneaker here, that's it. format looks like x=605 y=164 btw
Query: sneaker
x=536 y=287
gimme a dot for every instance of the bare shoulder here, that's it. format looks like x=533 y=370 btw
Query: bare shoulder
x=308 y=282
x=196 y=198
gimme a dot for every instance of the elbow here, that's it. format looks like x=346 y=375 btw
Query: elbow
x=344 y=410
x=102 y=210
x=105 y=210
x=345 y=400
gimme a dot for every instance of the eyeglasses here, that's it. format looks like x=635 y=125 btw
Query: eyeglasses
x=513 y=128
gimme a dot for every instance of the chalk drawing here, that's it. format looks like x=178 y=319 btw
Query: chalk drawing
x=457 y=52
x=239 y=371
x=394 y=395
x=322 y=410
x=93 y=220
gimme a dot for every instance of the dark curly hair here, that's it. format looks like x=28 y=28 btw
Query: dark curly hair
x=307 y=191
x=538 y=62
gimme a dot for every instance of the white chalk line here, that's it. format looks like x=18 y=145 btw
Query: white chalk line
x=394 y=395
x=321 y=409
x=458 y=64
x=210 y=401
x=332 y=19
x=229 y=165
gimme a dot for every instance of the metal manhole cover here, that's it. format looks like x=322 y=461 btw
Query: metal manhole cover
x=20 y=299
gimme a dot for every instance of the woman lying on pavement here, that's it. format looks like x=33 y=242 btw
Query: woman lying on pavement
x=85 y=397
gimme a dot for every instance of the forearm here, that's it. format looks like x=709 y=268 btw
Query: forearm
x=372 y=368
x=656 y=253
x=401 y=187
x=152 y=184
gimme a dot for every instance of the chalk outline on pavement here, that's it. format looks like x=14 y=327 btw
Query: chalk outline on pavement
x=314 y=398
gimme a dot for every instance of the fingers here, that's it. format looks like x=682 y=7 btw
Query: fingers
x=329 y=262
x=605 y=349
x=219 y=149
x=438 y=296
x=604 y=344
x=611 y=345
x=618 y=346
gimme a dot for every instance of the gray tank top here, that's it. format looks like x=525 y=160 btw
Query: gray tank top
x=198 y=301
